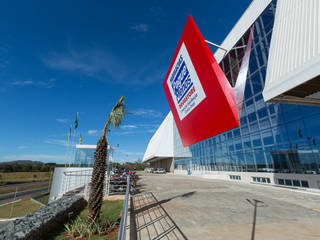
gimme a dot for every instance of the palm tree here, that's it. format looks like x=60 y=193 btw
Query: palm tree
x=99 y=167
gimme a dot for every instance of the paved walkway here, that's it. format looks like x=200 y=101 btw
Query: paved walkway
x=152 y=220
x=184 y=207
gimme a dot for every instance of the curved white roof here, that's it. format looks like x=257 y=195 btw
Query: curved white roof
x=161 y=143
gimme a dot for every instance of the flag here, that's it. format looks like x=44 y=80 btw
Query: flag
x=80 y=140
x=76 y=122
x=69 y=135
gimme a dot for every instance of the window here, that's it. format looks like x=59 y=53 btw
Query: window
x=305 y=184
x=252 y=117
x=261 y=180
x=288 y=182
x=234 y=177
x=280 y=181
x=262 y=113
x=296 y=183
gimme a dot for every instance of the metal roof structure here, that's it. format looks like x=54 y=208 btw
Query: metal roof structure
x=161 y=143
x=293 y=71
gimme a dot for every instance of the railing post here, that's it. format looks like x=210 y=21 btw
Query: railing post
x=123 y=223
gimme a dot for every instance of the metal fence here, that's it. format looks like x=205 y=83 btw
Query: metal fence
x=123 y=223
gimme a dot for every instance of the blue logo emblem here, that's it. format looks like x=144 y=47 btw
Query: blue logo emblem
x=180 y=80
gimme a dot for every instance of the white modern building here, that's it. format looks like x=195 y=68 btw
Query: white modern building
x=278 y=140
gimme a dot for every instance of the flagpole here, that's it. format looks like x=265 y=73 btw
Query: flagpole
x=73 y=139
x=72 y=146
x=68 y=147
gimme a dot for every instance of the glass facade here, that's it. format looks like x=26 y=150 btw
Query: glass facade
x=84 y=157
x=272 y=137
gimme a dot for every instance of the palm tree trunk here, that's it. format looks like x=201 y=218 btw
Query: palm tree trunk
x=97 y=181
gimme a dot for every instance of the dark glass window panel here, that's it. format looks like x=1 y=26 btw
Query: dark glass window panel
x=256 y=142
x=295 y=130
x=290 y=116
x=254 y=127
x=256 y=83
x=288 y=182
x=253 y=65
x=259 y=98
x=252 y=117
x=251 y=166
x=243 y=120
x=312 y=124
x=264 y=123
x=271 y=109
x=249 y=103
x=238 y=146
x=280 y=162
x=262 y=113
x=260 y=161
x=260 y=57
x=268 y=140
x=248 y=92
x=247 y=145
x=236 y=132
x=244 y=130
x=304 y=184
x=280 y=181
x=296 y=183
x=268 y=180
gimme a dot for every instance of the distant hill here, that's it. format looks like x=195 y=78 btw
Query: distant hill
x=22 y=162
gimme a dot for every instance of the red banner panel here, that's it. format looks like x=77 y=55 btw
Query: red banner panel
x=200 y=97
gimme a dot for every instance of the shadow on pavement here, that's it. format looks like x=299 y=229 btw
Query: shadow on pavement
x=151 y=219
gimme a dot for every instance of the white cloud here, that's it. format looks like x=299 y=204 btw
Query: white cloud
x=129 y=126
x=63 y=120
x=147 y=112
x=34 y=157
x=22 y=83
x=46 y=84
x=141 y=27
x=23 y=147
x=93 y=63
x=58 y=142
x=107 y=66
x=92 y=131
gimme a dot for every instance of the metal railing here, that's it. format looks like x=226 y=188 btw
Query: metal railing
x=123 y=223
x=75 y=179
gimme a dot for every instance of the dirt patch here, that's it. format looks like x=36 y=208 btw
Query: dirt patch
x=114 y=198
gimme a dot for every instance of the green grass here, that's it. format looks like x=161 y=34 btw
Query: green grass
x=44 y=199
x=20 y=208
x=110 y=213
x=22 y=177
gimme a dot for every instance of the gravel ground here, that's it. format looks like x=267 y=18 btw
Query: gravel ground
x=215 y=209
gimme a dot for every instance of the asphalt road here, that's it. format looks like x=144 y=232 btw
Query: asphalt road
x=215 y=209
x=5 y=198
x=22 y=184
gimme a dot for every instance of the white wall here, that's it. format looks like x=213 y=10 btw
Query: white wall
x=67 y=179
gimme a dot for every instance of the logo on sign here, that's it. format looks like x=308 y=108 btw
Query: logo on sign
x=184 y=84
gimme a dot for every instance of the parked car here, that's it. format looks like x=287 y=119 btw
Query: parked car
x=148 y=170
x=160 y=171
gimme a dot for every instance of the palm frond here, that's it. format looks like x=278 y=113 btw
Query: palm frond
x=116 y=115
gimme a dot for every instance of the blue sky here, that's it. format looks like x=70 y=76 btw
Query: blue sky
x=62 y=57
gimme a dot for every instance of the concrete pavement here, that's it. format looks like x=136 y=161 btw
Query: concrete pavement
x=215 y=209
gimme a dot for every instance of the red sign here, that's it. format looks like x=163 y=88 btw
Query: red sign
x=200 y=97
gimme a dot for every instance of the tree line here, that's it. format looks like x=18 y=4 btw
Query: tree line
x=45 y=167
